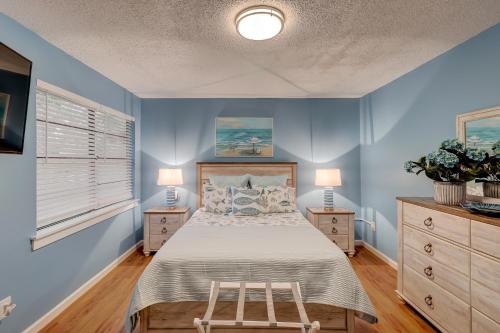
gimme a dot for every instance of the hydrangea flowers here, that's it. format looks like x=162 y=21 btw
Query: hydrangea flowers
x=452 y=162
x=443 y=157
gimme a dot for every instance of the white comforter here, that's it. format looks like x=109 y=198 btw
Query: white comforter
x=275 y=247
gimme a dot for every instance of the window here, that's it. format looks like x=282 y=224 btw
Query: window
x=85 y=159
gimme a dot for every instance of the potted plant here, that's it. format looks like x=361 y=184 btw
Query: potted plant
x=490 y=175
x=450 y=167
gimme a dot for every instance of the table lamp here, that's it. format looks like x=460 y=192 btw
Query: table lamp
x=170 y=178
x=328 y=178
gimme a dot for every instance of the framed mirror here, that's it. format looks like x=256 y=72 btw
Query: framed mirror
x=480 y=129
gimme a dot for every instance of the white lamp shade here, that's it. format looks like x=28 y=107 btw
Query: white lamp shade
x=170 y=177
x=328 y=177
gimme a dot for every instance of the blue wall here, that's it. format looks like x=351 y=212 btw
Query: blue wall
x=39 y=280
x=411 y=116
x=314 y=132
x=400 y=121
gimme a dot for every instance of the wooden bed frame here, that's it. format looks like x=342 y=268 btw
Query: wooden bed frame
x=207 y=169
x=178 y=317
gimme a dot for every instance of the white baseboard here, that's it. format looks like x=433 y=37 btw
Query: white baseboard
x=377 y=253
x=49 y=316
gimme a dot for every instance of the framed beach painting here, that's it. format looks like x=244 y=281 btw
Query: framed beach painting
x=479 y=129
x=243 y=137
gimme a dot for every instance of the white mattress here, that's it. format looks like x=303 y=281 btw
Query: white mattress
x=274 y=247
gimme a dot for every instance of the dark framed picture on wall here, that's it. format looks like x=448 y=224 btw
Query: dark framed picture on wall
x=15 y=77
x=244 y=137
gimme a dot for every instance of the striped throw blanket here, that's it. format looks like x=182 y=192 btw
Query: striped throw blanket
x=280 y=247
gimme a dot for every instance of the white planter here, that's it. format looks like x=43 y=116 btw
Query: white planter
x=450 y=194
x=491 y=189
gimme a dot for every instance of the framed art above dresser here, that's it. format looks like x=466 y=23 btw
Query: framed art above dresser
x=481 y=130
x=449 y=265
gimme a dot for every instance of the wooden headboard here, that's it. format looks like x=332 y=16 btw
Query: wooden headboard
x=207 y=169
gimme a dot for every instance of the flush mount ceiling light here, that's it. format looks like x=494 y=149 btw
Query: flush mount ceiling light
x=260 y=23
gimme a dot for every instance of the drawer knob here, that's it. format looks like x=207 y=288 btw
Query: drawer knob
x=428 y=222
x=334 y=220
x=428 y=301
x=164 y=230
x=333 y=240
x=428 y=248
x=334 y=230
x=163 y=220
x=163 y=242
x=428 y=271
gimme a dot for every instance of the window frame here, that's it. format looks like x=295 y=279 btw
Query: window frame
x=49 y=234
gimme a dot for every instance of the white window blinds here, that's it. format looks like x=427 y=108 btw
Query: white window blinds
x=85 y=159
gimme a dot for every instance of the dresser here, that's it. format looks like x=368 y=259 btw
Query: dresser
x=449 y=265
x=160 y=224
x=337 y=224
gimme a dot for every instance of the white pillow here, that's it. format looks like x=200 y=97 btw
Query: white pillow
x=225 y=181
x=279 y=199
x=217 y=200
x=278 y=180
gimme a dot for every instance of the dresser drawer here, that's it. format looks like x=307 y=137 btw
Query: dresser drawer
x=485 y=238
x=333 y=219
x=334 y=224
x=485 y=300
x=445 y=277
x=483 y=324
x=443 y=252
x=447 y=310
x=161 y=219
x=445 y=225
x=157 y=241
x=160 y=229
x=485 y=271
x=342 y=241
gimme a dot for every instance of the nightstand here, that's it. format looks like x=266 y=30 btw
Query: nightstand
x=160 y=224
x=337 y=224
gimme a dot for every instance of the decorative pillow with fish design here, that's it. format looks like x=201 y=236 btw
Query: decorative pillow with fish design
x=217 y=200
x=248 y=201
x=280 y=199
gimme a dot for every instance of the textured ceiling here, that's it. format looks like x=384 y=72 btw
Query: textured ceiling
x=190 y=48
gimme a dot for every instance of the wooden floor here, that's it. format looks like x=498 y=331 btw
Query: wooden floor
x=103 y=308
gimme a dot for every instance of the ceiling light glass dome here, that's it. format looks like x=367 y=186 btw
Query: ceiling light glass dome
x=260 y=23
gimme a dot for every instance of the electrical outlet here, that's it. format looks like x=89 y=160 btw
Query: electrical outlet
x=6 y=307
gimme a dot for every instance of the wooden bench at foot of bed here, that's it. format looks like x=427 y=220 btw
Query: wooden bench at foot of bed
x=178 y=317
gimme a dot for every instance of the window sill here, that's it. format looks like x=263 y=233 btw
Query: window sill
x=53 y=234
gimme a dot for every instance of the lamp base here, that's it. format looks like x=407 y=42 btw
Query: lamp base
x=328 y=198
x=171 y=197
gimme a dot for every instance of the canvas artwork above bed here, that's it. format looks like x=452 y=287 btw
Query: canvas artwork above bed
x=243 y=137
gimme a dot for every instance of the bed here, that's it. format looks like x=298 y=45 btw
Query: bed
x=282 y=247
